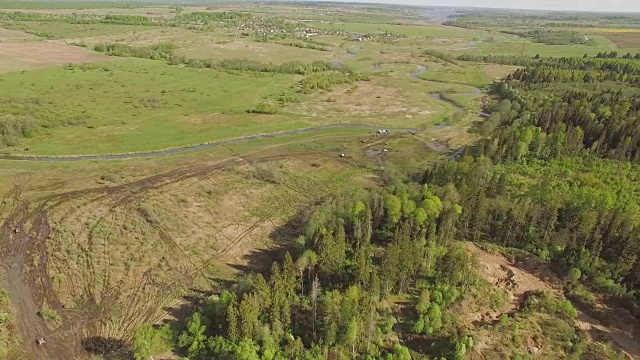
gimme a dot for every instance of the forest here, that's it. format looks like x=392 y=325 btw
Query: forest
x=576 y=120
x=556 y=175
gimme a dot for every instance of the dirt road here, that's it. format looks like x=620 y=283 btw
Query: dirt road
x=207 y=145
x=539 y=277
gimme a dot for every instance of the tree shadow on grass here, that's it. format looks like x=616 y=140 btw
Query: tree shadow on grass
x=283 y=239
x=433 y=346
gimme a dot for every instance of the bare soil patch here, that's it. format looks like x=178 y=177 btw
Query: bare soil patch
x=211 y=48
x=533 y=275
x=29 y=56
x=365 y=99
x=7 y=35
x=497 y=72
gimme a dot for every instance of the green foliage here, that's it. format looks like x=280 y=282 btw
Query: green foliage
x=193 y=337
x=149 y=340
x=155 y=52
x=13 y=128
x=574 y=274
x=554 y=37
x=442 y=56
x=51 y=315
x=325 y=80
x=264 y=108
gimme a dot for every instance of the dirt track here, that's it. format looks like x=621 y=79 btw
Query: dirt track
x=208 y=145
x=538 y=277
x=29 y=285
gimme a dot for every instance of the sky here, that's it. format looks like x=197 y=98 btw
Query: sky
x=585 y=5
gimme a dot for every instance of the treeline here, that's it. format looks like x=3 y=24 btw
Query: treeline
x=166 y=52
x=614 y=54
x=325 y=300
x=154 y=52
x=498 y=59
x=442 y=56
x=325 y=80
x=304 y=45
x=87 y=19
x=553 y=37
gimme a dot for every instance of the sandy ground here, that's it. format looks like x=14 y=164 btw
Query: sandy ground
x=535 y=276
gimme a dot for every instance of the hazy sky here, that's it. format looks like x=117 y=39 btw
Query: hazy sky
x=590 y=5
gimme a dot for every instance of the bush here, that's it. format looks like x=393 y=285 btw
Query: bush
x=13 y=128
x=270 y=174
x=51 y=315
x=263 y=108
x=149 y=340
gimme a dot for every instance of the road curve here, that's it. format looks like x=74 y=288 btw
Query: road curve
x=207 y=145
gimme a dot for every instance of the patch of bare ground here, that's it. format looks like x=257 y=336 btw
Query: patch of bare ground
x=497 y=72
x=385 y=57
x=368 y=98
x=530 y=274
x=142 y=37
x=9 y=36
x=38 y=55
x=624 y=40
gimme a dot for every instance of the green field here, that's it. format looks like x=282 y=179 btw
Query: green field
x=135 y=105
x=58 y=30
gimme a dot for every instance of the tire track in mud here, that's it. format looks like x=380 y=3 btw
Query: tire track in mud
x=30 y=286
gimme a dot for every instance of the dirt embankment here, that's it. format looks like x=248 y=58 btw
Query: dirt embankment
x=518 y=278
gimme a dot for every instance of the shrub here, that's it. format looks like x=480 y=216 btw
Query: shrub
x=263 y=108
x=50 y=315
x=270 y=174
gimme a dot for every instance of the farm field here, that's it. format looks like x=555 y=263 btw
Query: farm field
x=208 y=181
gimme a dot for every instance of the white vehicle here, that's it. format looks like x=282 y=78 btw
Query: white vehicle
x=40 y=340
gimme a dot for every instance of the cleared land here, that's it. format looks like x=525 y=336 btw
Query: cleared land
x=11 y=36
x=623 y=39
x=238 y=49
x=102 y=258
x=28 y=56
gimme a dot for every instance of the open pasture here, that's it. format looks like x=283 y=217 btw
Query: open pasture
x=266 y=52
x=136 y=105
x=61 y=30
